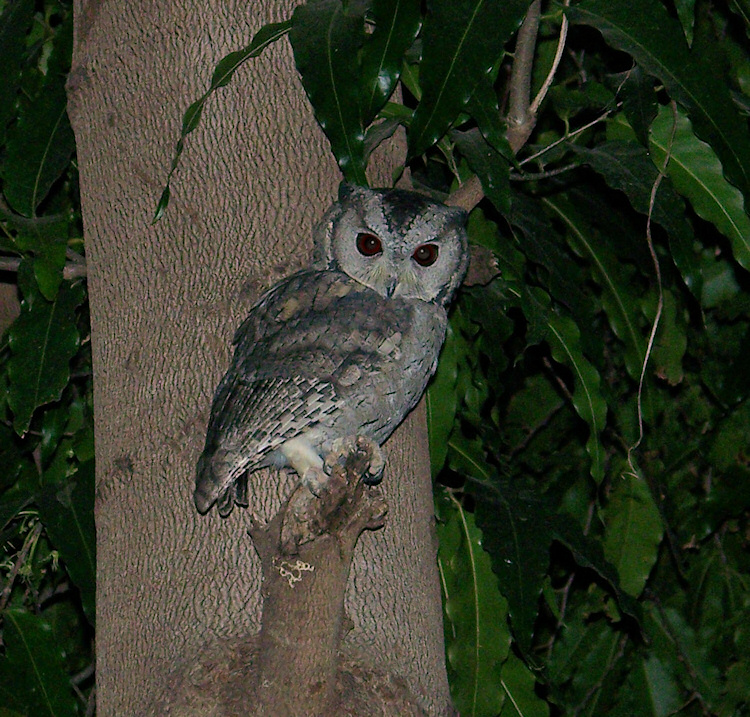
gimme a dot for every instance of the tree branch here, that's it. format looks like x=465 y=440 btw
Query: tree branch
x=75 y=269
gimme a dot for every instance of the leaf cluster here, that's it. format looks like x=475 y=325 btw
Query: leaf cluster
x=48 y=565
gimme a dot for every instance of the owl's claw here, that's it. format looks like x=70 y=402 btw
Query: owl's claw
x=365 y=450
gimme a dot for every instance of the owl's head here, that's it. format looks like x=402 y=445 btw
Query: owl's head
x=397 y=243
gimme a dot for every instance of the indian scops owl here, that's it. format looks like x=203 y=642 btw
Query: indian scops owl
x=343 y=348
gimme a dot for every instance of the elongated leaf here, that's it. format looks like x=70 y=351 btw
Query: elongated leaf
x=513 y=522
x=67 y=512
x=619 y=298
x=626 y=166
x=518 y=683
x=696 y=173
x=221 y=77
x=565 y=339
x=488 y=164
x=441 y=400
x=645 y=30
x=32 y=677
x=40 y=145
x=14 y=24
x=397 y=23
x=639 y=102
x=42 y=341
x=327 y=40
x=477 y=634
x=458 y=50
x=633 y=531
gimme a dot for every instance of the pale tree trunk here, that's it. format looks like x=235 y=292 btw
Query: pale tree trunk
x=179 y=594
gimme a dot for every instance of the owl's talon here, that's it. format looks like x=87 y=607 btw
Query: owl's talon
x=315 y=480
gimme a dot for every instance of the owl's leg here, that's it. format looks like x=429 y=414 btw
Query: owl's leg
x=306 y=462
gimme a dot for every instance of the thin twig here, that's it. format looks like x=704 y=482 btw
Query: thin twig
x=72 y=270
x=28 y=544
x=536 y=104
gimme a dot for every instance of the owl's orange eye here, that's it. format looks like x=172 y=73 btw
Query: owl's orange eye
x=368 y=244
x=426 y=255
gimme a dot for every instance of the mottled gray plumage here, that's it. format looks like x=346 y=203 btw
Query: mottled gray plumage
x=343 y=348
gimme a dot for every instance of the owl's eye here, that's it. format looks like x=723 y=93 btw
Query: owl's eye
x=426 y=255
x=368 y=244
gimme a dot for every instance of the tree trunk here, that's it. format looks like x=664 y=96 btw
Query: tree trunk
x=179 y=595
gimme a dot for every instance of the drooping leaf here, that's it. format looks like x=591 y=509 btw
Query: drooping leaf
x=477 y=634
x=565 y=339
x=41 y=142
x=488 y=164
x=327 y=39
x=397 y=23
x=627 y=167
x=32 y=677
x=697 y=174
x=513 y=521
x=639 y=101
x=619 y=298
x=222 y=75
x=42 y=340
x=518 y=683
x=633 y=531
x=457 y=51
x=14 y=24
x=67 y=512
x=440 y=400
x=645 y=30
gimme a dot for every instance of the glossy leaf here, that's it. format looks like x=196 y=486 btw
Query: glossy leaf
x=697 y=174
x=645 y=30
x=477 y=634
x=222 y=75
x=440 y=399
x=32 y=676
x=42 y=341
x=326 y=39
x=564 y=339
x=67 y=513
x=488 y=164
x=457 y=51
x=14 y=24
x=41 y=143
x=639 y=102
x=397 y=23
x=518 y=683
x=633 y=531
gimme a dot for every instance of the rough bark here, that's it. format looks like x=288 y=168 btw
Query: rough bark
x=179 y=595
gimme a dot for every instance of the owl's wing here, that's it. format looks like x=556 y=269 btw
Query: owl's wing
x=279 y=382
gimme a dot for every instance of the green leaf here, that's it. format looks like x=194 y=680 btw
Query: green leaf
x=67 y=512
x=564 y=340
x=222 y=75
x=14 y=24
x=619 y=296
x=441 y=400
x=697 y=174
x=639 y=102
x=41 y=142
x=477 y=634
x=458 y=50
x=39 y=148
x=326 y=40
x=488 y=164
x=518 y=683
x=397 y=23
x=633 y=531
x=42 y=341
x=32 y=675
x=513 y=520
x=645 y=30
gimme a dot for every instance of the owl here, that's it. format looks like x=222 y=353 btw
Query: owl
x=343 y=348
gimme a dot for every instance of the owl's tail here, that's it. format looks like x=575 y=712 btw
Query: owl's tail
x=215 y=483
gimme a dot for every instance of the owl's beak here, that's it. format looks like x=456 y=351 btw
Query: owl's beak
x=390 y=287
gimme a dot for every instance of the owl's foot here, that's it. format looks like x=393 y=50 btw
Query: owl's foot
x=333 y=498
x=344 y=449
